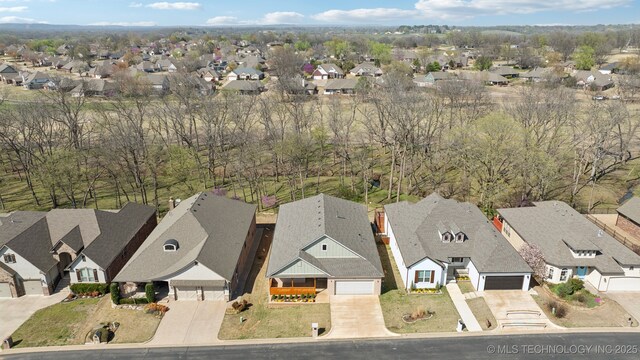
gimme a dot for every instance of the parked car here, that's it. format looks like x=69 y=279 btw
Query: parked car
x=599 y=97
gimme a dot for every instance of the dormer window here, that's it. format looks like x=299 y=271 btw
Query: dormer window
x=460 y=237
x=447 y=237
x=170 y=245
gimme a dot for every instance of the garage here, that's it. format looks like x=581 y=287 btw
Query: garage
x=353 y=287
x=213 y=293
x=186 y=293
x=5 y=290
x=503 y=282
x=624 y=284
x=32 y=287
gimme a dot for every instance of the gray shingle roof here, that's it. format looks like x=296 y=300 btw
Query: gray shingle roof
x=30 y=238
x=341 y=84
x=556 y=226
x=416 y=229
x=631 y=209
x=302 y=222
x=210 y=229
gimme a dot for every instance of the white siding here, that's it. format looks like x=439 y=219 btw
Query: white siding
x=474 y=275
x=79 y=264
x=195 y=272
x=426 y=264
x=595 y=278
x=24 y=268
x=512 y=236
x=333 y=249
x=395 y=250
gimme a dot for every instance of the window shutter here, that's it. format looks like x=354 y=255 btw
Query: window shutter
x=95 y=275
x=416 y=278
x=78 y=276
x=432 y=275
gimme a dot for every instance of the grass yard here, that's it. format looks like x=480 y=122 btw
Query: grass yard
x=396 y=303
x=466 y=287
x=608 y=314
x=264 y=320
x=69 y=323
x=482 y=313
x=392 y=279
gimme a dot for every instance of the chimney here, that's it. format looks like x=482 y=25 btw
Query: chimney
x=172 y=203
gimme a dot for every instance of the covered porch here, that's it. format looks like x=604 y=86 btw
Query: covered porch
x=296 y=286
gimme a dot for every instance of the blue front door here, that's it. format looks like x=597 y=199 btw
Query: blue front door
x=581 y=272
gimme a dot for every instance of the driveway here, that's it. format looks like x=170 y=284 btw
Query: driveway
x=516 y=309
x=15 y=311
x=356 y=316
x=190 y=322
x=628 y=300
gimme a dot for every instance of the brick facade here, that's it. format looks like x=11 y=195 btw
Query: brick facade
x=243 y=267
x=118 y=263
x=6 y=277
x=629 y=226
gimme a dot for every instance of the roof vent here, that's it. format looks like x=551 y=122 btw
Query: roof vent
x=600 y=233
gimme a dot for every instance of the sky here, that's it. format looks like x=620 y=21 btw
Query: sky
x=326 y=12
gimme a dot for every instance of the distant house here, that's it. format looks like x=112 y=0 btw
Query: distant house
x=629 y=217
x=102 y=71
x=208 y=74
x=94 y=87
x=8 y=74
x=328 y=71
x=147 y=66
x=536 y=75
x=323 y=243
x=366 y=69
x=202 y=249
x=506 y=71
x=245 y=73
x=341 y=86
x=437 y=240
x=611 y=68
x=487 y=78
x=572 y=246
x=593 y=80
x=244 y=87
x=36 y=80
x=432 y=78
x=166 y=65
x=158 y=82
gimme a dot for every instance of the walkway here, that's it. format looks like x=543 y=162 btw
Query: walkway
x=463 y=309
x=190 y=322
x=356 y=316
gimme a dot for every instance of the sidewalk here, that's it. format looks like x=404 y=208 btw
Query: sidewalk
x=463 y=309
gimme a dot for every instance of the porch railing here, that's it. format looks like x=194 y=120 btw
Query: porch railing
x=291 y=290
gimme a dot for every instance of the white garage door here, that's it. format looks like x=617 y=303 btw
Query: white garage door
x=32 y=287
x=5 y=290
x=211 y=293
x=187 y=293
x=624 y=284
x=347 y=287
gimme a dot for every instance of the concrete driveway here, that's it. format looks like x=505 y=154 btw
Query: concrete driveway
x=356 y=316
x=15 y=311
x=628 y=300
x=516 y=309
x=190 y=322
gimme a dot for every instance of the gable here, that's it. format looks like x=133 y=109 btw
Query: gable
x=300 y=267
x=195 y=271
x=333 y=249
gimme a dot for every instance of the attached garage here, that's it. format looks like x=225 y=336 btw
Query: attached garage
x=199 y=289
x=624 y=284
x=5 y=290
x=32 y=287
x=213 y=293
x=186 y=293
x=503 y=282
x=355 y=287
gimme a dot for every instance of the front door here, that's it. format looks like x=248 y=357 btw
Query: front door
x=581 y=271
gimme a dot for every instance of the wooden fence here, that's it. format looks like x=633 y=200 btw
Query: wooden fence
x=615 y=234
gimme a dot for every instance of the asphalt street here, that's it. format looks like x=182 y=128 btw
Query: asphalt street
x=551 y=346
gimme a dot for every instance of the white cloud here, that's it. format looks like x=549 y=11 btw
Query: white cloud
x=364 y=15
x=175 y=6
x=19 y=20
x=138 y=23
x=281 y=17
x=13 y=9
x=223 y=20
x=135 y=5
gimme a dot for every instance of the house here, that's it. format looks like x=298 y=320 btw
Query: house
x=202 y=249
x=366 y=69
x=245 y=73
x=572 y=246
x=103 y=71
x=36 y=80
x=538 y=74
x=593 y=80
x=487 y=78
x=437 y=240
x=94 y=87
x=323 y=243
x=36 y=248
x=298 y=85
x=166 y=65
x=147 y=66
x=8 y=74
x=629 y=217
x=75 y=66
x=328 y=71
x=611 y=68
x=244 y=87
x=208 y=74
x=158 y=82
x=505 y=71
x=341 y=86
x=432 y=78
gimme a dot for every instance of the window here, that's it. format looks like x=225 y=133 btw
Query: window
x=563 y=274
x=88 y=275
x=457 y=260
x=324 y=247
x=170 y=245
x=423 y=276
x=447 y=237
x=631 y=268
x=459 y=237
x=507 y=229
x=9 y=258
x=550 y=274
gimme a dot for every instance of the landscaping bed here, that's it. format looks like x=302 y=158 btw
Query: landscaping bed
x=396 y=304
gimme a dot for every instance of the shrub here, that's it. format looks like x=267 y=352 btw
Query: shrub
x=115 y=293
x=560 y=309
x=575 y=284
x=580 y=297
x=563 y=290
x=240 y=306
x=150 y=292
x=88 y=288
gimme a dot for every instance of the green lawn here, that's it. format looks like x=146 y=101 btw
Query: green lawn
x=59 y=324
x=466 y=287
x=396 y=303
x=482 y=313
